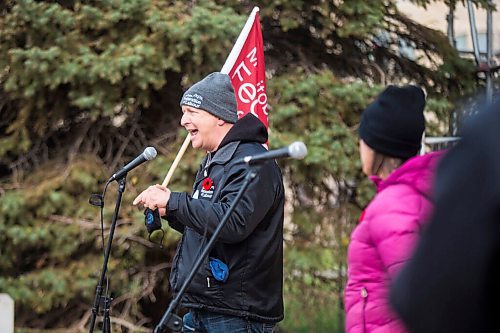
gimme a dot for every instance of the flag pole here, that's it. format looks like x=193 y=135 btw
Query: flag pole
x=233 y=55
x=177 y=159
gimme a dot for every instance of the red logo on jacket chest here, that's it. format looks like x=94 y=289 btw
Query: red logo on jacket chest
x=207 y=183
x=207 y=188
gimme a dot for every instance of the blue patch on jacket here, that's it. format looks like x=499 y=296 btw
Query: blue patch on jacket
x=220 y=271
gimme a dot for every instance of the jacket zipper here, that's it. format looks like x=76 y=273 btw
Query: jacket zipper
x=364 y=295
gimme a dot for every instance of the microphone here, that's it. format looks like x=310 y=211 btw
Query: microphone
x=296 y=150
x=148 y=154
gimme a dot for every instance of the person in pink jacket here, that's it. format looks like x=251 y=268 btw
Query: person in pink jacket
x=390 y=132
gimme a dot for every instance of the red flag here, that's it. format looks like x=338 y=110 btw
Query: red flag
x=246 y=68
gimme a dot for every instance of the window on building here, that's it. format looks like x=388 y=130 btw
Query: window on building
x=483 y=42
x=464 y=42
x=461 y=42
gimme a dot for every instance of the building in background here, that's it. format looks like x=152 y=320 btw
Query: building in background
x=435 y=16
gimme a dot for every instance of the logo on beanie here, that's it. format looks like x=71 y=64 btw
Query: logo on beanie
x=193 y=100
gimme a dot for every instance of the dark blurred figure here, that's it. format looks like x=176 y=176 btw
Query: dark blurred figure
x=452 y=282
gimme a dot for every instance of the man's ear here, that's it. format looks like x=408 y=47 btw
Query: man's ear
x=221 y=122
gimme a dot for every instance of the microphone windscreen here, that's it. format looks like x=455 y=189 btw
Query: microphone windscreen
x=149 y=153
x=297 y=150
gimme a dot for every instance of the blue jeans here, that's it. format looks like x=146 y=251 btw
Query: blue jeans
x=199 y=321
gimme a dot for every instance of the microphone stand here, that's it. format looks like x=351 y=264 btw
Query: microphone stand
x=106 y=301
x=171 y=320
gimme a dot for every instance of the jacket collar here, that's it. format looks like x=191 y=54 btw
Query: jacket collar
x=417 y=172
x=222 y=155
x=247 y=129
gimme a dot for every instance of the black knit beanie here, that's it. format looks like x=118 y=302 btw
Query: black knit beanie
x=394 y=123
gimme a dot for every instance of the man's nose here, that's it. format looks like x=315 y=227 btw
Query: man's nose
x=184 y=119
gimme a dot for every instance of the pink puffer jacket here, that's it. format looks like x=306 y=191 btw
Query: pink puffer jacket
x=383 y=241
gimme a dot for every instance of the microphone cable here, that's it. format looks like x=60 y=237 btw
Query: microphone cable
x=98 y=200
x=106 y=290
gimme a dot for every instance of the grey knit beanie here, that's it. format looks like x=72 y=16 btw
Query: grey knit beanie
x=214 y=94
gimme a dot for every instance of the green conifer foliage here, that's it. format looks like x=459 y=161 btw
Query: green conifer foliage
x=86 y=85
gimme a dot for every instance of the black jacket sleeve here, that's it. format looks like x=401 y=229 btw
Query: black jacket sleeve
x=451 y=283
x=174 y=224
x=255 y=203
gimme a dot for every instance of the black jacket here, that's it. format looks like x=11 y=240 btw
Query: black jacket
x=251 y=243
x=452 y=282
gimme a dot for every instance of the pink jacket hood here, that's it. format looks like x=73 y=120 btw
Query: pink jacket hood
x=383 y=241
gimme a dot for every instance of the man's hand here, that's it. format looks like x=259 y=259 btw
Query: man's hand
x=153 y=197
